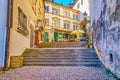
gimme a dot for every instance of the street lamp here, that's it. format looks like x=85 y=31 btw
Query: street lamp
x=87 y=24
x=39 y=23
x=40 y=27
x=85 y=15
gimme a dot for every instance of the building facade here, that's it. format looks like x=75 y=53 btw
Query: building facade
x=105 y=29
x=38 y=8
x=83 y=7
x=60 y=21
x=24 y=27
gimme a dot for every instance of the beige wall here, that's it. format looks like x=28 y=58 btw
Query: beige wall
x=19 y=42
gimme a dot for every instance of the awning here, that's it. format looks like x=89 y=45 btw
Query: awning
x=62 y=30
x=77 y=31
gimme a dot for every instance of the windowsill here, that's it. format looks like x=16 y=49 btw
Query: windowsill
x=22 y=32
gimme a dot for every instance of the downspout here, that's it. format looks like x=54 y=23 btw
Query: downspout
x=9 y=25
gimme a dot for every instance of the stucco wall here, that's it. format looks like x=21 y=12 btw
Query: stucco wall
x=82 y=7
x=18 y=41
x=105 y=22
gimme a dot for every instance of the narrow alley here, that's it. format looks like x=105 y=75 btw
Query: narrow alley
x=59 y=39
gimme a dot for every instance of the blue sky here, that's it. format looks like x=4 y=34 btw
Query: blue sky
x=64 y=2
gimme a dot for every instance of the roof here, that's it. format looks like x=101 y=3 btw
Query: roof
x=75 y=1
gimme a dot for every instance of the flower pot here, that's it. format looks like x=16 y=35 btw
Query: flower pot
x=91 y=46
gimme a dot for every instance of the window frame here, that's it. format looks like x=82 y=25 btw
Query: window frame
x=22 y=23
x=46 y=8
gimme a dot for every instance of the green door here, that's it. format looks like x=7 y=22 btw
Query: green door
x=55 y=36
x=46 y=37
x=61 y=36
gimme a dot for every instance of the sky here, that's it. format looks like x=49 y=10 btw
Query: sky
x=64 y=2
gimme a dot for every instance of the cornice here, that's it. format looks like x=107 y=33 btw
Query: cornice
x=61 y=16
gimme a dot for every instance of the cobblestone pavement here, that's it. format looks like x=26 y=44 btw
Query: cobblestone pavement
x=57 y=73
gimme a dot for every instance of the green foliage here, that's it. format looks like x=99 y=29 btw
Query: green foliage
x=27 y=50
x=109 y=72
x=88 y=44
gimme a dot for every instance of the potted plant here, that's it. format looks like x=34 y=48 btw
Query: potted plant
x=91 y=45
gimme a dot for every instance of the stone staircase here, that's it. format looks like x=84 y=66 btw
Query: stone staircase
x=62 y=44
x=61 y=57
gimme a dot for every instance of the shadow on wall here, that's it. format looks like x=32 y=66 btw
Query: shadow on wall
x=2 y=45
x=106 y=36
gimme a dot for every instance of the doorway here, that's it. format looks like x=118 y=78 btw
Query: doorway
x=46 y=37
x=31 y=37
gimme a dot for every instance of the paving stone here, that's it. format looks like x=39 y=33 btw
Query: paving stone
x=57 y=73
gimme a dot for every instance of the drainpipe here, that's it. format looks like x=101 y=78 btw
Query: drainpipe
x=9 y=24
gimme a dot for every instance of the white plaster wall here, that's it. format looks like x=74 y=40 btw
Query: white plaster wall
x=95 y=9
x=83 y=7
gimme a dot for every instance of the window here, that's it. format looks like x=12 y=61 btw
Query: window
x=78 y=5
x=46 y=8
x=55 y=11
x=66 y=26
x=56 y=23
x=74 y=27
x=81 y=2
x=22 y=23
x=75 y=17
x=46 y=21
x=67 y=14
x=53 y=23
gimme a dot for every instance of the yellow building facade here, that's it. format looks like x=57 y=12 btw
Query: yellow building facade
x=25 y=17
x=60 y=21
x=38 y=8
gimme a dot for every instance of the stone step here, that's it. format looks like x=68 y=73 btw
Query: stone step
x=62 y=56
x=63 y=52
x=59 y=58
x=66 y=60
x=62 y=63
x=57 y=55
x=63 y=44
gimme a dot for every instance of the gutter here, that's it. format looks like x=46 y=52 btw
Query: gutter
x=8 y=25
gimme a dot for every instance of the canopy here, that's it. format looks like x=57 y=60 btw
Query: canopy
x=78 y=32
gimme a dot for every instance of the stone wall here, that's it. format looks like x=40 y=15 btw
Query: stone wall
x=105 y=32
